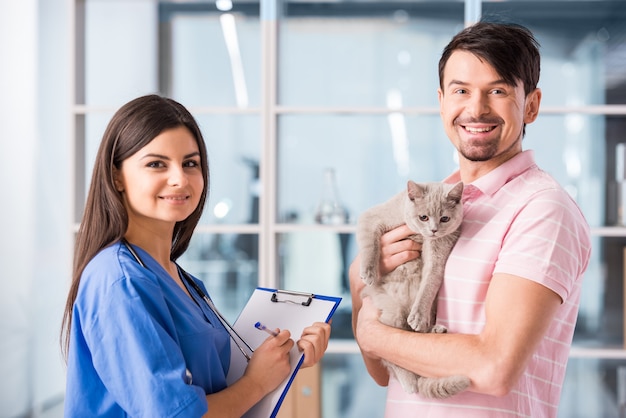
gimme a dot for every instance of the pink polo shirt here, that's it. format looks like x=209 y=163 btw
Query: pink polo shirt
x=519 y=221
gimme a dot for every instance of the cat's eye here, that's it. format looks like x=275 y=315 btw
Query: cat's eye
x=423 y=218
x=445 y=219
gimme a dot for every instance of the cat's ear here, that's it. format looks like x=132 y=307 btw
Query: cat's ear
x=414 y=190
x=456 y=192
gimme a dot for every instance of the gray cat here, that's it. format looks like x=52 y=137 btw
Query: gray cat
x=407 y=295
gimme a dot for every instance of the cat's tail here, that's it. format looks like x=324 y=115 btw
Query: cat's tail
x=442 y=387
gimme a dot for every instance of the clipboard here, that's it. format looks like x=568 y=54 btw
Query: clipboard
x=282 y=309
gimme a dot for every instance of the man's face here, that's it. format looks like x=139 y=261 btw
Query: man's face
x=483 y=115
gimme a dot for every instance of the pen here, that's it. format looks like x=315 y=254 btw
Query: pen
x=262 y=327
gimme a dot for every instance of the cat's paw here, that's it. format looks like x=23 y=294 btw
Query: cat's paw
x=439 y=329
x=368 y=276
x=418 y=323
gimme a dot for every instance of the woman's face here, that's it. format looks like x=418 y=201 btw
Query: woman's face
x=162 y=183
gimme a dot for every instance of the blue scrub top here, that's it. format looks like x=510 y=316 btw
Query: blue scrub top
x=134 y=333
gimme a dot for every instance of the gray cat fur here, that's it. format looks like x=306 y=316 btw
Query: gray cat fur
x=407 y=296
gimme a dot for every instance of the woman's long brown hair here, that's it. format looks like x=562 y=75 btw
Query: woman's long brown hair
x=105 y=219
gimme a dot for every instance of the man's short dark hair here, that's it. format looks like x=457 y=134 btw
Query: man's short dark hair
x=510 y=49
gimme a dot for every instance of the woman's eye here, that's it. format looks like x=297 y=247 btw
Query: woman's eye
x=191 y=163
x=156 y=164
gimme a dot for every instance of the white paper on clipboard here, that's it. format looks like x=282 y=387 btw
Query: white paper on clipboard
x=282 y=309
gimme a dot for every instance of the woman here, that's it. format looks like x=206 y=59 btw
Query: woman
x=139 y=338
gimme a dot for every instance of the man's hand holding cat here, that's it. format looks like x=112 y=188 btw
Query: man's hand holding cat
x=366 y=325
x=396 y=248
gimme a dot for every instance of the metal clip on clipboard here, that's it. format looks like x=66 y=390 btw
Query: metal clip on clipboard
x=307 y=302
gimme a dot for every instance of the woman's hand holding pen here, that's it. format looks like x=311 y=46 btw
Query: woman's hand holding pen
x=269 y=364
x=312 y=343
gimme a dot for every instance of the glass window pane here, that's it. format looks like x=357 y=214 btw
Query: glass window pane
x=233 y=147
x=582 y=46
x=94 y=127
x=228 y=266
x=347 y=390
x=572 y=149
x=327 y=275
x=120 y=51
x=601 y=381
x=372 y=156
x=601 y=315
x=615 y=163
x=333 y=253
x=215 y=56
x=364 y=53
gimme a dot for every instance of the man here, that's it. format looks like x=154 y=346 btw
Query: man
x=512 y=283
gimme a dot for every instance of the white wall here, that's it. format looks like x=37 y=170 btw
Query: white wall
x=34 y=207
x=53 y=244
x=18 y=127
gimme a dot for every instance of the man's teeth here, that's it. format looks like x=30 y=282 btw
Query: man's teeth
x=477 y=130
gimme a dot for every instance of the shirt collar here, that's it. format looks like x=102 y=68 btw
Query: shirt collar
x=493 y=181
